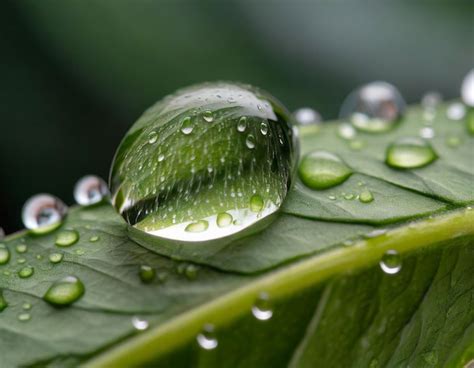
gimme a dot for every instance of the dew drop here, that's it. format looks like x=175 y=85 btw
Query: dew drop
x=152 y=137
x=391 y=262
x=161 y=157
x=90 y=190
x=139 y=324
x=26 y=272
x=427 y=133
x=262 y=307
x=191 y=272
x=431 y=100
x=410 y=153
x=21 y=260
x=375 y=107
x=456 y=111
x=208 y=116
x=250 y=141
x=94 y=238
x=187 y=126
x=467 y=89
x=307 y=116
x=65 y=291
x=66 y=238
x=256 y=203
x=346 y=131
x=453 y=141
x=43 y=213
x=242 y=125
x=197 y=227
x=147 y=274
x=206 y=338
x=56 y=257
x=24 y=317
x=322 y=170
x=21 y=248
x=264 y=128
x=366 y=196
x=224 y=219
x=26 y=306
x=4 y=254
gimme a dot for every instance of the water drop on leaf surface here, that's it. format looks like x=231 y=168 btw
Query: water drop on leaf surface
x=410 y=153
x=391 y=262
x=90 y=190
x=307 y=116
x=66 y=238
x=206 y=339
x=4 y=254
x=43 y=213
x=65 y=291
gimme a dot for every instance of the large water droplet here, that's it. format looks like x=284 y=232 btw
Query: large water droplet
x=66 y=238
x=307 y=116
x=215 y=170
x=90 y=190
x=391 y=262
x=409 y=153
x=4 y=254
x=262 y=308
x=26 y=272
x=366 y=196
x=43 y=213
x=65 y=291
x=224 y=219
x=374 y=107
x=467 y=89
x=207 y=339
x=322 y=170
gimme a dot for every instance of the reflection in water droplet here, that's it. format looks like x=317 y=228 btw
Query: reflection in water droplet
x=90 y=190
x=207 y=339
x=65 y=291
x=409 y=153
x=147 y=274
x=262 y=308
x=467 y=89
x=24 y=317
x=217 y=169
x=187 y=126
x=427 y=133
x=43 y=213
x=224 y=219
x=456 y=111
x=56 y=257
x=366 y=196
x=322 y=170
x=26 y=272
x=374 y=107
x=139 y=324
x=152 y=137
x=66 y=238
x=391 y=262
x=307 y=116
x=4 y=254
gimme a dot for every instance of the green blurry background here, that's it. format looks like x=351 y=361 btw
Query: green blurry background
x=74 y=75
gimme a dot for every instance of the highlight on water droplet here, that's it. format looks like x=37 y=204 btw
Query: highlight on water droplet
x=139 y=324
x=207 y=339
x=26 y=272
x=66 y=238
x=262 y=308
x=307 y=116
x=456 y=111
x=375 y=107
x=65 y=291
x=467 y=89
x=43 y=213
x=391 y=262
x=90 y=190
x=366 y=196
x=4 y=254
x=147 y=274
x=216 y=169
x=410 y=153
x=55 y=257
x=322 y=170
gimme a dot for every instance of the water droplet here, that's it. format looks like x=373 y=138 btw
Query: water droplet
x=250 y=141
x=191 y=272
x=56 y=257
x=26 y=306
x=197 y=227
x=4 y=254
x=456 y=111
x=43 y=213
x=207 y=339
x=152 y=137
x=307 y=116
x=65 y=291
x=24 y=317
x=139 y=324
x=208 y=116
x=256 y=203
x=467 y=89
x=409 y=153
x=90 y=190
x=3 y=302
x=147 y=274
x=391 y=262
x=427 y=133
x=262 y=308
x=21 y=248
x=431 y=100
x=66 y=238
x=349 y=196
x=26 y=272
x=322 y=170
x=216 y=169
x=366 y=196
x=374 y=107
x=224 y=219
x=375 y=233
x=21 y=260
x=346 y=131
x=80 y=252
x=187 y=126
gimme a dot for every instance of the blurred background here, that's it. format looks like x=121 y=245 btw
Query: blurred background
x=74 y=75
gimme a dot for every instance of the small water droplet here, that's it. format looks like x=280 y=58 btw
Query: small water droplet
x=332 y=197
x=307 y=116
x=152 y=137
x=391 y=262
x=3 y=302
x=357 y=144
x=139 y=324
x=80 y=252
x=264 y=128
x=431 y=100
x=56 y=257
x=467 y=89
x=21 y=260
x=375 y=107
x=191 y=272
x=250 y=141
x=375 y=233
x=147 y=274
x=66 y=238
x=187 y=125
x=242 y=124
x=262 y=308
x=24 y=317
x=322 y=170
x=65 y=291
x=366 y=196
x=346 y=131
x=161 y=157
x=409 y=153
x=208 y=116
x=207 y=339
x=349 y=196
x=224 y=219
x=90 y=190
x=26 y=306
x=94 y=238
x=427 y=133
x=256 y=203
x=26 y=272
x=21 y=248
x=4 y=254
x=453 y=141
x=197 y=227
x=456 y=111
x=43 y=213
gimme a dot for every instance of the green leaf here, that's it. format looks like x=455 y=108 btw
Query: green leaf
x=332 y=305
